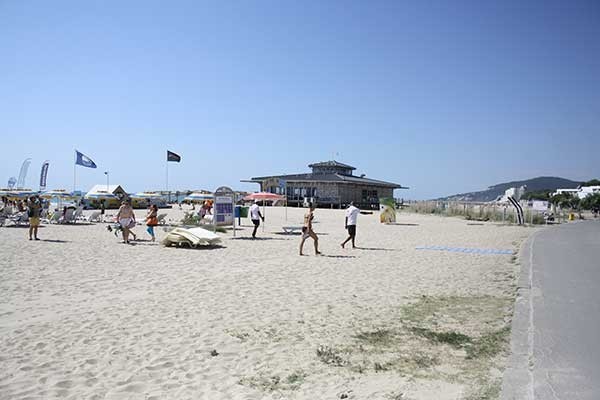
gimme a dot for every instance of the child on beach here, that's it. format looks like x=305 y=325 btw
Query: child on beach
x=152 y=220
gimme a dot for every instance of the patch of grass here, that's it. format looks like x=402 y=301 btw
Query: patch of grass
x=296 y=378
x=380 y=367
x=330 y=356
x=486 y=391
x=454 y=339
x=264 y=383
x=489 y=345
x=377 y=338
x=270 y=383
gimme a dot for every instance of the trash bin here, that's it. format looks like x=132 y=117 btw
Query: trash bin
x=241 y=212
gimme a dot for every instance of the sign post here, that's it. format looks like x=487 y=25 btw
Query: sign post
x=224 y=207
x=283 y=187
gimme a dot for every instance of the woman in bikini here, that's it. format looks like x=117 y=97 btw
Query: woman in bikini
x=308 y=231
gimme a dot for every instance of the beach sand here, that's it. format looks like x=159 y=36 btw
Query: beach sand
x=83 y=316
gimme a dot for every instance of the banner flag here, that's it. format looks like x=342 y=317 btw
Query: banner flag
x=43 y=175
x=173 y=157
x=84 y=160
x=23 y=173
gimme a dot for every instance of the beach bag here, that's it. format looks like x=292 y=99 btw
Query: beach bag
x=152 y=221
x=131 y=224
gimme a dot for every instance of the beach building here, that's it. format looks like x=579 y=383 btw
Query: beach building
x=330 y=184
x=587 y=190
x=110 y=195
x=581 y=192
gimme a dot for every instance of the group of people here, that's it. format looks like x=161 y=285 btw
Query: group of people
x=126 y=219
x=349 y=224
x=307 y=228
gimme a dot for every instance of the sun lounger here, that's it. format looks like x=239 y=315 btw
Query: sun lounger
x=78 y=214
x=161 y=219
x=193 y=237
x=67 y=218
x=19 y=218
x=291 y=229
x=94 y=217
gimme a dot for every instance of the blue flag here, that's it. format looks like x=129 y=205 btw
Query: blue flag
x=84 y=160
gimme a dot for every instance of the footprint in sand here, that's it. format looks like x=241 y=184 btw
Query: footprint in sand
x=167 y=364
x=65 y=384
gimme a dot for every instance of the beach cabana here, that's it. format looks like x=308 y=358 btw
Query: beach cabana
x=110 y=195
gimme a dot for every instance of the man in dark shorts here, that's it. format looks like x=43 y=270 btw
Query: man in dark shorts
x=350 y=224
x=255 y=216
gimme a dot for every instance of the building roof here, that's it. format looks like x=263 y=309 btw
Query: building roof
x=102 y=188
x=331 y=163
x=330 y=177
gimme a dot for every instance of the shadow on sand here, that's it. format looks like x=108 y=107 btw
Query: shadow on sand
x=257 y=238
x=373 y=248
x=401 y=224
x=336 y=256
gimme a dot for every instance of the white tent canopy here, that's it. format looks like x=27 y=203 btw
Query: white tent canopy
x=108 y=190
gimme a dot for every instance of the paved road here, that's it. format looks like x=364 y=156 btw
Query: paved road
x=556 y=329
x=566 y=312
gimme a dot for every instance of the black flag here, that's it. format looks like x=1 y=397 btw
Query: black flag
x=173 y=157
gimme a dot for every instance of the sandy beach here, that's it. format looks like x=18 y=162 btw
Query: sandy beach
x=83 y=316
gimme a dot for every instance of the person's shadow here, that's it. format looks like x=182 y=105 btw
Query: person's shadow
x=373 y=248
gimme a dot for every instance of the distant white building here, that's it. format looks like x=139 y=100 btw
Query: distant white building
x=569 y=191
x=581 y=192
x=587 y=190
x=513 y=192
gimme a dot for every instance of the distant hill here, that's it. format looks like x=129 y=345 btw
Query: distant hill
x=535 y=184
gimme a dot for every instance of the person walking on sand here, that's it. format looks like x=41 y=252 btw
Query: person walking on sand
x=350 y=223
x=34 y=209
x=126 y=218
x=102 y=210
x=255 y=216
x=307 y=230
x=152 y=220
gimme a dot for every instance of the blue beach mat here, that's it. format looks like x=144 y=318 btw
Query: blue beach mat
x=465 y=250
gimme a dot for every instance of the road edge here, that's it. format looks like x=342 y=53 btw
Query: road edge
x=517 y=379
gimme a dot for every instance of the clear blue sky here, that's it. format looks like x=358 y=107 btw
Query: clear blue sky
x=444 y=97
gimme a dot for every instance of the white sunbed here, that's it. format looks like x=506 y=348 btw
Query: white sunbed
x=94 y=217
x=193 y=237
x=161 y=219
x=291 y=229
x=67 y=218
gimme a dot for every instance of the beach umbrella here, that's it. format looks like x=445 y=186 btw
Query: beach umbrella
x=58 y=193
x=264 y=196
x=18 y=194
x=101 y=196
x=198 y=197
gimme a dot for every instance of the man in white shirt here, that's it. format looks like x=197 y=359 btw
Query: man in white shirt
x=350 y=223
x=255 y=216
